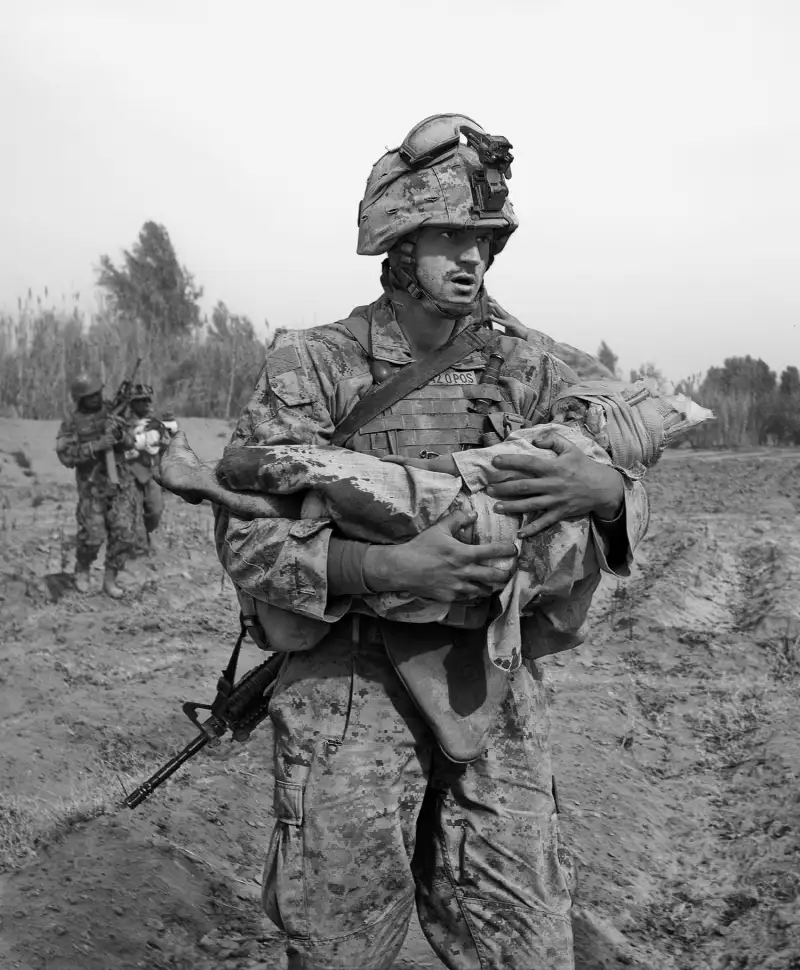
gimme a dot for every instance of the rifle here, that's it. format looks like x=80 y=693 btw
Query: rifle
x=121 y=401
x=238 y=707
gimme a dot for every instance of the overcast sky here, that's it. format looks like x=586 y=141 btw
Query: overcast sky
x=657 y=147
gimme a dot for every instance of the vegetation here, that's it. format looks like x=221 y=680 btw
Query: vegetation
x=150 y=308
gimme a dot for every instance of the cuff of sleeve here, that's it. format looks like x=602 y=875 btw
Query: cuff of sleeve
x=346 y=568
x=612 y=538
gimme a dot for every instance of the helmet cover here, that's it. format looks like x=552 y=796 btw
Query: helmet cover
x=436 y=179
x=84 y=385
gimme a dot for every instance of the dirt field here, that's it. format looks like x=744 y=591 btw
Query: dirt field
x=677 y=733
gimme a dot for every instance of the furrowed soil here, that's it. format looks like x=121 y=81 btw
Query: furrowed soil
x=676 y=733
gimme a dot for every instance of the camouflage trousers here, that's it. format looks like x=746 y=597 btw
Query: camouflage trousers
x=105 y=514
x=149 y=507
x=371 y=818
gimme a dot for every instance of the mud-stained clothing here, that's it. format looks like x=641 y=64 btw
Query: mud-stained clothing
x=379 y=502
x=311 y=380
x=369 y=813
x=105 y=512
x=371 y=817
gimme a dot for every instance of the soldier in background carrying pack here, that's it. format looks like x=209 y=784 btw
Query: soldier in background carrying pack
x=407 y=769
x=105 y=510
x=146 y=431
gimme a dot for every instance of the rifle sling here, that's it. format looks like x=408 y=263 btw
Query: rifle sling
x=409 y=378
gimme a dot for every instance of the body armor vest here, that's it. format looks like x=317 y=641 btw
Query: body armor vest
x=90 y=426
x=438 y=419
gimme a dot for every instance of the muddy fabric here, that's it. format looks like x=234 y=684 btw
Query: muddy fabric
x=369 y=811
x=311 y=380
x=379 y=502
x=369 y=815
x=105 y=512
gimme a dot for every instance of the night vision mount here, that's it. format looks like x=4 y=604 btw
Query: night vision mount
x=437 y=137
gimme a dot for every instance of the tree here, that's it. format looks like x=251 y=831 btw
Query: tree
x=743 y=375
x=790 y=382
x=607 y=357
x=648 y=369
x=236 y=334
x=151 y=287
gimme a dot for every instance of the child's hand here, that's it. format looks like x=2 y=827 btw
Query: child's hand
x=504 y=319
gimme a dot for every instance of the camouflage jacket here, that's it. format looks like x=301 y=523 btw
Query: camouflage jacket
x=309 y=383
x=76 y=444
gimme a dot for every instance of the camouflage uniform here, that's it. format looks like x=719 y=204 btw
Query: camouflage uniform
x=371 y=817
x=105 y=511
x=378 y=502
x=148 y=493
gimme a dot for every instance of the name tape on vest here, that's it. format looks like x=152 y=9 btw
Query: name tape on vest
x=455 y=377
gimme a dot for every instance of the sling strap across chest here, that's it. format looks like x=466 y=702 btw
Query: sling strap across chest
x=410 y=378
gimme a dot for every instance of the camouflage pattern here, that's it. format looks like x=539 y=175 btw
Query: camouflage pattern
x=105 y=514
x=104 y=511
x=588 y=367
x=368 y=810
x=400 y=199
x=369 y=813
x=311 y=380
x=377 y=502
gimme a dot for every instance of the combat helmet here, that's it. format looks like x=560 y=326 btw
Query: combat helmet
x=84 y=385
x=141 y=392
x=448 y=172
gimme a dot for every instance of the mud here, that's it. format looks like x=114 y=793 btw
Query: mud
x=676 y=729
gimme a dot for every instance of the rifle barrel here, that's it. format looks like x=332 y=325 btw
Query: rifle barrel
x=147 y=788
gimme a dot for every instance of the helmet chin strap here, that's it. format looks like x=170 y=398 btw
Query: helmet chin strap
x=402 y=275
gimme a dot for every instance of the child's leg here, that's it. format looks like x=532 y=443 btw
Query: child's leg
x=179 y=470
x=366 y=497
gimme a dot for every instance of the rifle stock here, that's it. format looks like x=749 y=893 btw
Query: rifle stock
x=111 y=466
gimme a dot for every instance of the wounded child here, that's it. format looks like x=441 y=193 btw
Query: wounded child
x=545 y=603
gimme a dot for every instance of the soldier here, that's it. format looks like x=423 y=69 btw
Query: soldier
x=145 y=429
x=408 y=768
x=105 y=510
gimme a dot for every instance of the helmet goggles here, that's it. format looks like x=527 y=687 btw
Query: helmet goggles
x=436 y=138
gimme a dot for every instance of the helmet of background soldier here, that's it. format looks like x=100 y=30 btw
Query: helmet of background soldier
x=141 y=392
x=84 y=385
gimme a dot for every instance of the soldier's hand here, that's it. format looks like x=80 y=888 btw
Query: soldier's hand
x=108 y=440
x=115 y=427
x=437 y=565
x=562 y=484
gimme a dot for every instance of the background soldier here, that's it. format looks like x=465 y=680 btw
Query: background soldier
x=105 y=510
x=145 y=430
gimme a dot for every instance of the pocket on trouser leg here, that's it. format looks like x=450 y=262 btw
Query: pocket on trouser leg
x=283 y=891
x=515 y=937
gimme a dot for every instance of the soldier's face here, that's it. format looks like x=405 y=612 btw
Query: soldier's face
x=92 y=402
x=139 y=408
x=451 y=263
